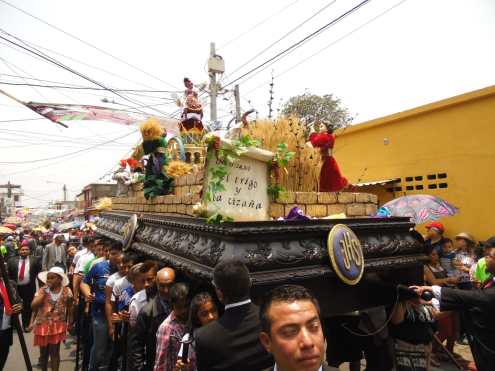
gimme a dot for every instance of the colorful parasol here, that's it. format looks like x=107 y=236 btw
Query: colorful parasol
x=420 y=208
x=10 y=226
x=5 y=230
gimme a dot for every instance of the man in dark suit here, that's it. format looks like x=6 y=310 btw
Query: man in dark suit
x=232 y=342
x=23 y=270
x=7 y=310
x=292 y=330
x=477 y=308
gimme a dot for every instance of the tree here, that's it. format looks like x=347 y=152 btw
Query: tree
x=311 y=108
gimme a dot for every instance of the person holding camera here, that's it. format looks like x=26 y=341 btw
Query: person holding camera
x=476 y=308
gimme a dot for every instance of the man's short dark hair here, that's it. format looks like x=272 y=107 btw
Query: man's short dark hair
x=129 y=257
x=179 y=293
x=148 y=265
x=283 y=294
x=87 y=240
x=446 y=240
x=116 y=246
x=231 y=277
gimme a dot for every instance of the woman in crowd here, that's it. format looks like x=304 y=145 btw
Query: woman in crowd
x=412 y=327
x=203 y=311
x=465 y=259
x=448 y=322
x=52 y=302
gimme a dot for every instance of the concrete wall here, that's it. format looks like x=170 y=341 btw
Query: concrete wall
x=452 y=141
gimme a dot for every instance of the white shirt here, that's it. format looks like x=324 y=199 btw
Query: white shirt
x=120 y=285
x=138 y=301
x=25 y=280
x=78 y=255
x=112 y=279
x=81 y=262
x=237 y=304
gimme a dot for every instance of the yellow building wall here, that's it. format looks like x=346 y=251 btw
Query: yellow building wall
x=455 y=137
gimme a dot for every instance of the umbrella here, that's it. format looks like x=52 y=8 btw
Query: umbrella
x=10 y=225
x=420 y=208
x=5 y=230
x=12 y=220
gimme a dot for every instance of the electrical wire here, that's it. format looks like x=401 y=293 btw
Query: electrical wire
x=87 y=43
x=61 y=65
x=67 y=154
x=299 y=43
x=18 y=120
x=257 y=25
x=283 y=37
x=330 y=45
x=90 y=65
x=82 y=88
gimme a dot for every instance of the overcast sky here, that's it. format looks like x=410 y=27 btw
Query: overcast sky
x=418 y=52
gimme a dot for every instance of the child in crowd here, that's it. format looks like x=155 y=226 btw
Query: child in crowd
x=173 y=329
x=203 y=311
x=447 y=256
x=52 y=302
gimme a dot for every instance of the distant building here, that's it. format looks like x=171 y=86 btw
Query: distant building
x=444 y=149
x=10 y=198
x=94 y=191
x=62 y=205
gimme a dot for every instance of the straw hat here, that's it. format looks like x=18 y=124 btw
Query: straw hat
x=466 y=236
x=57 y=270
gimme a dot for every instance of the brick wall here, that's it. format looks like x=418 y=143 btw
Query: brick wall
x=188 y=190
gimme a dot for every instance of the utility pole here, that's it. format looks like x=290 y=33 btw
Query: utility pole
x=213 y=86
x=237 y=97
x=270 y=102
x=65 y=192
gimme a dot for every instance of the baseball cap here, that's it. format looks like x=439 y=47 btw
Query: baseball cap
x=437 y=225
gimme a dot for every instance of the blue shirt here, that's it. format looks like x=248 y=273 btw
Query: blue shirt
x=125 y=298
x=97 y=278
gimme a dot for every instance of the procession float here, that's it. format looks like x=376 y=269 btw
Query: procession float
x=269 y=193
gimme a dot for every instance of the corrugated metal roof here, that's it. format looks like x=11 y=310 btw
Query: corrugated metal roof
x=377 y=182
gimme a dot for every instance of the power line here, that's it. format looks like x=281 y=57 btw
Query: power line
x=257 y=25
x=18 y=120
x=284 y=36
x=67 y=154
x=330 y=45
x=61 y=65
x=87 y=43
x=72 y=86
x=294 y=46
x=82 y=88
x=89 y=65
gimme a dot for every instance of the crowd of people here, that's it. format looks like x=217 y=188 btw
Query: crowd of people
x=131 y=313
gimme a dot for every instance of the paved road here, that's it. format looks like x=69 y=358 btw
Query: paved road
x=15 y=361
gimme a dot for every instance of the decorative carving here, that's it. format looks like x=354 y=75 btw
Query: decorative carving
x=274 y=251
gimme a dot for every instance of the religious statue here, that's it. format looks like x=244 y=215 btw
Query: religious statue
x=331 y=179
x=191 y=125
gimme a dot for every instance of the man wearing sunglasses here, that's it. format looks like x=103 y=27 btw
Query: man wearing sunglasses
x=477 y=308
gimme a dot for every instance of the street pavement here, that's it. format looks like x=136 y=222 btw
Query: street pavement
x=15 y=362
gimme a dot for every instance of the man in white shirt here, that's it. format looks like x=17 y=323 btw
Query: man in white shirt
x=83 y=257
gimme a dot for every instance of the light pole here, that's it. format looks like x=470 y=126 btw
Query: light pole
x=64 y=188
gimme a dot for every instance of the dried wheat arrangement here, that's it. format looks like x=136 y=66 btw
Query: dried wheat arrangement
x=304 y=169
